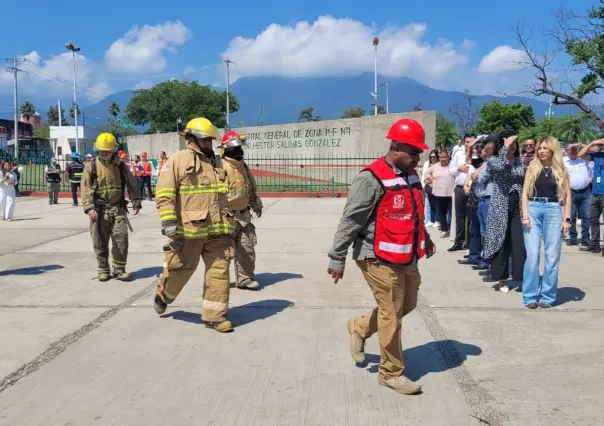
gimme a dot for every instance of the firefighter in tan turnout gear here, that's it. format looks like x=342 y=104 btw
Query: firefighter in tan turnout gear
x=191 y=197
x=243 y=198
x=104 y=182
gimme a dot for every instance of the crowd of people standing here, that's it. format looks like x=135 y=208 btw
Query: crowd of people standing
x=511 y=200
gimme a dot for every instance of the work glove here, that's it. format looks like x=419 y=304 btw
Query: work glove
x=170 y=231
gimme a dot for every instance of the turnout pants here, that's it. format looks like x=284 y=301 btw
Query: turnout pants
x=111 y=227
x=245 y=254
x=395 y=290
x=53 y=191
x=181 y=258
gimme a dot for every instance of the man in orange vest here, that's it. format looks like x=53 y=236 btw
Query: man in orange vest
x=384 y=219
x=145 y=174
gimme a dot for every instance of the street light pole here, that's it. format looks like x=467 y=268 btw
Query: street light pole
x=73 y=50
x=386 y=85
x=228 y=62
x=376 y=42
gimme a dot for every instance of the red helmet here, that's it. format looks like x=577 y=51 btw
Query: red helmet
x=408 y=131
x=232 y=139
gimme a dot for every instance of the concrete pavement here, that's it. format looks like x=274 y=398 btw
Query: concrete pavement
x=77 y=352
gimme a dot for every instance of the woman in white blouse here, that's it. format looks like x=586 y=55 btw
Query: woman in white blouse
x=8 y=180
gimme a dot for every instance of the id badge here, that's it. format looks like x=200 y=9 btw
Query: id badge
x=598 y=179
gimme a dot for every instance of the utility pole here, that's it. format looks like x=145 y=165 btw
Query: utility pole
x=73 y=51
x=59 y=111
x=228 y=62
x=386 y=85
x=376 y=42
x=15 y=71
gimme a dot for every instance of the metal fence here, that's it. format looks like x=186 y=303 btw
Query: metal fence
x=277 y=173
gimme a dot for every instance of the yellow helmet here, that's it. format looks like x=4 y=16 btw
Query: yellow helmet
x=105 y=142
x=200 y=128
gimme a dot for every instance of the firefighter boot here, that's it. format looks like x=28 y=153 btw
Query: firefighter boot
x=159 y=305
x=104 y=276
x=357 y=345
x=121 y=275
x=221 y=327
x=401 y=384
x=250 y=285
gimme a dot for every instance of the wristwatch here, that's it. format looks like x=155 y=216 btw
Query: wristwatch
x=567 y=219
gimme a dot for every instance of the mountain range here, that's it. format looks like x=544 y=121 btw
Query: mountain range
x=279 y=100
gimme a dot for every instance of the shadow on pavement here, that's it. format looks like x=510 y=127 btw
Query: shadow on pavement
x=430 y=358
x=268 y=278
x=239 y=315
x=32 y=270
x=151 y=271
x=568 y=294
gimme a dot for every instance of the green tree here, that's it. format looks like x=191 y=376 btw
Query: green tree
x=72 y=110
x=113 y=109
x=580 y=36
x=42 y=132
x=116 y=128
x=53 y=116
x=164 y=104
x=381 y=109
x=569 y=128
x=496 y=117
x=27 y=110
x=307 y=114
x=353 y=112
x=446 y=132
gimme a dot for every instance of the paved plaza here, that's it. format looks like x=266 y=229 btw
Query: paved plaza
x=75 y=351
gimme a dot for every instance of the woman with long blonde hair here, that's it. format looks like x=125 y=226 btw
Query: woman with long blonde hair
x=545 y=217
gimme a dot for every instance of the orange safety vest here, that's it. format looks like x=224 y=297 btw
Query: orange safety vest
x=400 y=232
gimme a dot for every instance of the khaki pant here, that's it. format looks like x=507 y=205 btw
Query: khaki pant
x=114 y=227
x=53 y=191
x=245 y=254
x=395 y=290
x=180 y=262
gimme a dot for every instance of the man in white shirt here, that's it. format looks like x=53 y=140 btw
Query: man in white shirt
x=459 y=169
x=580 y=191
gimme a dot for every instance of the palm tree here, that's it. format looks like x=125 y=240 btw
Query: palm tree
x=114 y=109
x=446 y=132
x=27 y=110
x=73 y=109
x=577 y=128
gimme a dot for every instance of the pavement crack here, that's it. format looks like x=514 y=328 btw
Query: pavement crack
x=61 y=345
x=476 y=397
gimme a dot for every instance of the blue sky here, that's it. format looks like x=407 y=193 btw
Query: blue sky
x=444 y=44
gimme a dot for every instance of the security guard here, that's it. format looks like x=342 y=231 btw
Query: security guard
x=103 y=184
x=74 y=171
x=243 y=197
x=191 y=196
x=53 y=179
x=384 y=218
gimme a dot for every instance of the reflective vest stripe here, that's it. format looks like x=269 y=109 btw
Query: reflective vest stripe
x=213 y=229
x=398 y=248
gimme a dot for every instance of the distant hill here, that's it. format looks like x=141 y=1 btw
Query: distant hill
x=279 y=100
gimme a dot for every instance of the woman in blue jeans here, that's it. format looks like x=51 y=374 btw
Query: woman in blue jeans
x=545 y=216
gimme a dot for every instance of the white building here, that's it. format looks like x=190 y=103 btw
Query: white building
x=62 y=139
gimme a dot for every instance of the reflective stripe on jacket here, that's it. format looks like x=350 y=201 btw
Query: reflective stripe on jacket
x=400 y=236
x=192 y=194
x=76 y=170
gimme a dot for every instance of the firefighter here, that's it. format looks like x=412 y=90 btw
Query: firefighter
x=191 y=196
x=243 y=198
x=384 y=219
x=74 y=171
x=104 y=182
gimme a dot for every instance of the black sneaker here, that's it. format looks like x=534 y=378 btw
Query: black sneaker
x=572 y=243
x=456 y=247
x=591 y=249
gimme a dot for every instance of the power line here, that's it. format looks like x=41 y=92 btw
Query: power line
x=15 y=70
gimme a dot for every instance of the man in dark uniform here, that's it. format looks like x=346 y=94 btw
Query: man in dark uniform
x=74 y=171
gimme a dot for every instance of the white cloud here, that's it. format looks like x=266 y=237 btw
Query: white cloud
x=502 y=59
x=141 y=50
x=188 y=70
x=54 y=76
x=144 y=84
x=331 y=46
